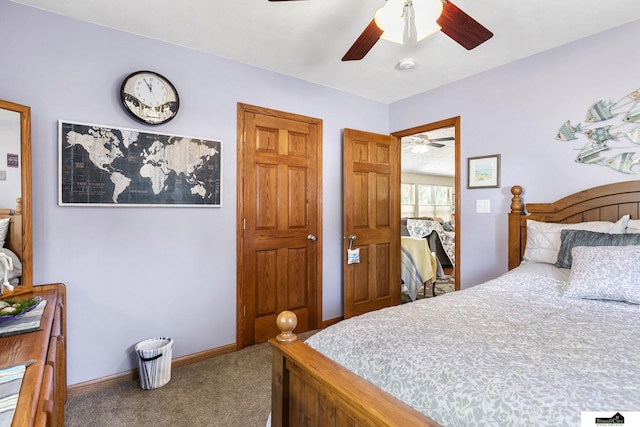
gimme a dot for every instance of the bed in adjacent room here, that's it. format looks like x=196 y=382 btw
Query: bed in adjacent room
x=10 y=247
x=417 y=266
x=440 y=237
x=555 y=336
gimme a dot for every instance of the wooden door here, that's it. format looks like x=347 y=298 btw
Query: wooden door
x=371 y=187
x=279 y=221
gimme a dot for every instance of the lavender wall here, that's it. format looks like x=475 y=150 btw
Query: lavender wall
x=138 y=273
x=516 y=111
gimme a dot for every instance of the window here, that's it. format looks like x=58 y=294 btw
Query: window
x=418 y=200
x=407 y=200
x=425 y=195
x=407 y=194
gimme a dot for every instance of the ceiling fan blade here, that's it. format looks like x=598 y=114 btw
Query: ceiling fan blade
x=447 y=138
x=435 y=144
x=462 y=28
x=364 y=43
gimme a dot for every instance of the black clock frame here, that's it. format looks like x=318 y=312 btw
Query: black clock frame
x=124 y=97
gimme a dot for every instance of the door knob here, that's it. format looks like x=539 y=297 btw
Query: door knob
x=351 y=238
x=311 y=238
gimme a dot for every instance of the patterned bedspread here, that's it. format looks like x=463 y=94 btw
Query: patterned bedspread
x=510 y=352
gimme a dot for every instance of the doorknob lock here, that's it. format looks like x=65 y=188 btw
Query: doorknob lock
x=312 y=238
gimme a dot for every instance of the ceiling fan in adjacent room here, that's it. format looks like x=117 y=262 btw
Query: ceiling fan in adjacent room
x=401 y=20
x=420 y=143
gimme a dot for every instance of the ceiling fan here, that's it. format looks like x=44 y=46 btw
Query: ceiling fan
x=452 y=21
x=421 y=143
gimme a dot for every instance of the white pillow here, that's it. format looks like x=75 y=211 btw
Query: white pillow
x=633 y=226
x=4 y=229
x=606 y=273
x=543 y=238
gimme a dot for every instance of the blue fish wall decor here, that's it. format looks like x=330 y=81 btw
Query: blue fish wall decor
x=608 y=127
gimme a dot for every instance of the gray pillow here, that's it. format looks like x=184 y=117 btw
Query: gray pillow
x=605 y=273
x=572 y=238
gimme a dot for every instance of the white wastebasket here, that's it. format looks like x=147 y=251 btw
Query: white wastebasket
x=154 y=362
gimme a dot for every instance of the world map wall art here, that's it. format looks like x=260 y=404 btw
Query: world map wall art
x=610 y=134
x=107 y=166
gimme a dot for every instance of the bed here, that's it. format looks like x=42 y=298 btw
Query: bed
x=540 y=344
x=11 y=243
x=441 y=241
x=417 y=266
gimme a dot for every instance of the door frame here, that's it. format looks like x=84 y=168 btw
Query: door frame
x=240 y=214
x=455 y=122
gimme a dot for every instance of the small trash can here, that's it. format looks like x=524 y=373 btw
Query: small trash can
x=154 y=362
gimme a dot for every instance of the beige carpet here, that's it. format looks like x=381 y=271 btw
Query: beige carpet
x=229 y=390
x=232 y=390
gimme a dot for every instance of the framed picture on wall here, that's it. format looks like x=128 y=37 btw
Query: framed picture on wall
x=484 y=171
x=109 y=166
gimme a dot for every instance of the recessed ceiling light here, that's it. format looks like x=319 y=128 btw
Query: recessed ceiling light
x=406 y=64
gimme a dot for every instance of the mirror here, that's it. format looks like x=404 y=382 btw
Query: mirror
x=15 y=195
x=442 y=139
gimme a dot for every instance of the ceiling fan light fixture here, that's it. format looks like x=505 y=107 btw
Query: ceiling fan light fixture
x=419 y=149
x=395 y=16
x=390 y=19
x=426 y=14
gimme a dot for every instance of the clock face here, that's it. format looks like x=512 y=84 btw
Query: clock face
x=149 y=97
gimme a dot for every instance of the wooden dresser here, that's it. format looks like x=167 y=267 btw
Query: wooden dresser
x=44 y=387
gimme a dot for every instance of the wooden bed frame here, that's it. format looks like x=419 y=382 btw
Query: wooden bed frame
x=604 y=203
x=309 y=389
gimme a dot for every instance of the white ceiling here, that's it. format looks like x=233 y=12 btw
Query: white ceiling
x=307 y=39
x=437 y=161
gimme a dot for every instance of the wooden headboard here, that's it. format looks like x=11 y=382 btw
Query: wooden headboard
x=604 y=203
x=13 y=241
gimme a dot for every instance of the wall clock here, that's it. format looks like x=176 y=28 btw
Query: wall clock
x=149 y=97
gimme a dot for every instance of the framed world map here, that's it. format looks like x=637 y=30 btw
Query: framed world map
x=108 y=166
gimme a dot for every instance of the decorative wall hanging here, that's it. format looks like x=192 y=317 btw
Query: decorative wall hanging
x=109 y=166
x=484 y=171
x=12 y=161
x=608 y=128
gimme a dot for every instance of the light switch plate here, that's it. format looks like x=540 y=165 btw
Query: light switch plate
x=3 y=175
x=483 y=206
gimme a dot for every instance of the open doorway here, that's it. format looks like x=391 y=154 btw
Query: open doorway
x=430 y=179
